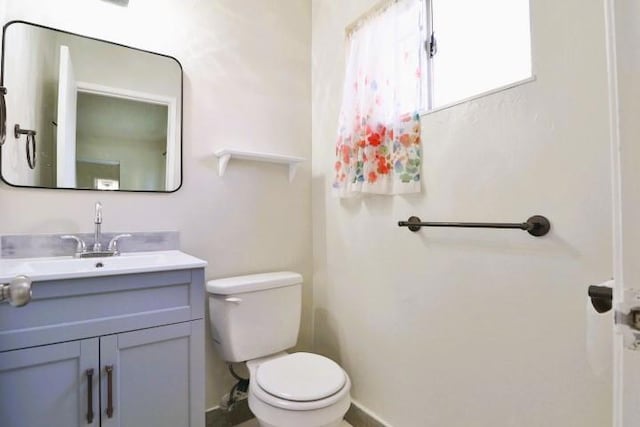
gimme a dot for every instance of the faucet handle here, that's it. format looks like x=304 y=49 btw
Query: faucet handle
x=80 y=245
x=113 y=243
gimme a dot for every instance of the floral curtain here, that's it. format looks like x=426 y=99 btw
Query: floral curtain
x=378 y=147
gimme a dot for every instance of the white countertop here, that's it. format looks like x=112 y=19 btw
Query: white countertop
x=68 y=267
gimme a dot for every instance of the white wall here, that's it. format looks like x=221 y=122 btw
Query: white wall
x=453 y=327
x=142 y=165
x=238 y=59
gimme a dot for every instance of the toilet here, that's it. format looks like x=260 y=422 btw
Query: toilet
x=254 y=319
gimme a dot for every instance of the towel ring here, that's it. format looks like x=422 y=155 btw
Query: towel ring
x=30 y=144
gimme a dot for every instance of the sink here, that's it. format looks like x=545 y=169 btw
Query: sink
x=70 y=267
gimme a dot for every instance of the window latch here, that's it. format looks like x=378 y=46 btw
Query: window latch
x=431 y=45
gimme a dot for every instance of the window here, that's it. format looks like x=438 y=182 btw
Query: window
x=479 y=45
x=408 y=56
x=466 y=47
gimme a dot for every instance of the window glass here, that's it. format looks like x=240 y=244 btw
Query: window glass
x=481 y=45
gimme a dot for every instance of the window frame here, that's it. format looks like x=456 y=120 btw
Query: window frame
x=428 y=81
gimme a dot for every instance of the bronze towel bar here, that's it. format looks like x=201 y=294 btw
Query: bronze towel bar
x=537 y=225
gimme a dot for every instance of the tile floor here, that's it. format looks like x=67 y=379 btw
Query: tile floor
x=254 y=423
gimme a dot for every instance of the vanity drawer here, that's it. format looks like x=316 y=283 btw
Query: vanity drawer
x=71 y=309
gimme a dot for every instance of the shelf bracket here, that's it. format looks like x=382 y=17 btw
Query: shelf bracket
x=223 y=161
x=293 y=168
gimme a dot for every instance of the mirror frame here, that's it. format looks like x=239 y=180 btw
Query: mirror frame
x=2 y=71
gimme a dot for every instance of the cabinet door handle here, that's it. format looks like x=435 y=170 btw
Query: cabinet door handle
x=109 y=370
x=89 y=396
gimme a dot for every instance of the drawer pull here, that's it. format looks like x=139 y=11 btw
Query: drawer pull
x=109 y=370
x=89 y=396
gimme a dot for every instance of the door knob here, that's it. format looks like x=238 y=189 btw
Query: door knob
x=17 y=292
x=601 y=298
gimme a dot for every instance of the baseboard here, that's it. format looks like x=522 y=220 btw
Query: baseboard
x=360 y=416
x=217 y=417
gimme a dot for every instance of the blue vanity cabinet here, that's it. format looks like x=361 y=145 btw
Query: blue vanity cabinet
x=48 y=385
x=152 y=376
x=110 y=351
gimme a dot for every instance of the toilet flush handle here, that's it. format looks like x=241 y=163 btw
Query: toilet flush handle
x=234 y=300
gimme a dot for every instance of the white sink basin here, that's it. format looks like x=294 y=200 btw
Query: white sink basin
x=69 y=267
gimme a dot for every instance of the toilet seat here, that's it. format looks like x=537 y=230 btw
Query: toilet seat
x=299 y=382
x=300 y=377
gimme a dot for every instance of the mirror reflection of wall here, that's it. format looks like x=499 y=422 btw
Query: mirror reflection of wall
x=92 y=103
x=123 y=132
x=32 y=67
x=99 y=175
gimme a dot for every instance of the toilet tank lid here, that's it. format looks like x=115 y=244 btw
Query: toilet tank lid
x=253 y=282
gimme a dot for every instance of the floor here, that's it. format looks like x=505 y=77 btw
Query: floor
x=254 y=423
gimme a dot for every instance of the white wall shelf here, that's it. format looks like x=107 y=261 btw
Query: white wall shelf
x=225 y=155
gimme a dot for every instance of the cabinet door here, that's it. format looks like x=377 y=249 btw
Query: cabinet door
x=156 y=377
x=48 y=386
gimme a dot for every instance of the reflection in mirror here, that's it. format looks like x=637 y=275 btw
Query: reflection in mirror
x=107 y=117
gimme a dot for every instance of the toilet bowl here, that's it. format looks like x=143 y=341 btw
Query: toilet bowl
x=254 y=319
x=296 y=390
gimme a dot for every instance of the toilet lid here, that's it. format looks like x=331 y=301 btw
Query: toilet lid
x=301 y=377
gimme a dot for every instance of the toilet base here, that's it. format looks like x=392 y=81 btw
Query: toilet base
x=265 y=424
x=270 y=416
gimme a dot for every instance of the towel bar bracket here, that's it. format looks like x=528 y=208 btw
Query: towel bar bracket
x=538 y=225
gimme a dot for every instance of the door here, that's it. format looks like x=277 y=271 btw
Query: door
x=49 y=386
x=66 y=132
x=154 y=377
x=623 y=19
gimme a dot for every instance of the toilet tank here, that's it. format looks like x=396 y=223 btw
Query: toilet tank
x=256 y=315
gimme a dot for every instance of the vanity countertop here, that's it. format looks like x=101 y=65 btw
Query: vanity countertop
x=67 y=267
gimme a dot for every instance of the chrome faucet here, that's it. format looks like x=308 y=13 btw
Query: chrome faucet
x=96 y=248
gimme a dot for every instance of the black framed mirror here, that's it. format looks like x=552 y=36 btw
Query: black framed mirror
x=84 y=113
